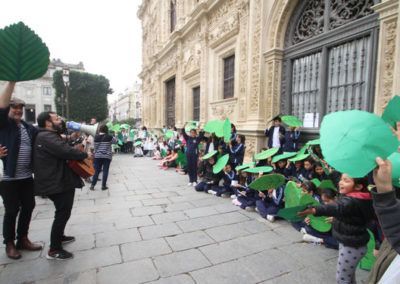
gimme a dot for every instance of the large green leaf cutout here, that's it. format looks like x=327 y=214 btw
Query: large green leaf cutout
x=367 y=262
x=268 y=182
x=23 y=55
x=292 y=194
x=320 y=224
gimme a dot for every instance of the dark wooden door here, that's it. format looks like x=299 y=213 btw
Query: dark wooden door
x=196 y=103
x=170 y=102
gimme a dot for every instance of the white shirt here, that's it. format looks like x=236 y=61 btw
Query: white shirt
x=276 y=143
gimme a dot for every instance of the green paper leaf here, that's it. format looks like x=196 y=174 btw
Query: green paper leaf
x=191 y=125
x=169 y=134
x=392 y=112
x=116 y=127
x=313 y=142
x=291 y=120
x=132 y=133
x=227 y=130
x=214 y=126
x=292 y=194
x=268 y=182
x=163 y=151
x=23 y=54
x=327 y=183
x=209 y=155
x=109 y=125
x=138 y=143
x=283 y=156
x=256 y=170
x=395 y=159
x=316 y=182
x=367 y=262
x=125 y=126
x=299 y=157
x=320 y=224
x=308 y=200
x=303 y=150
x=245 y=166
x=351 y=140
x=220 y=164
x=181 y=160
x=266 y=154
x=290 y=214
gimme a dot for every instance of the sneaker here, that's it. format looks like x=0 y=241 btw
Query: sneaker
x=311 y=239
x=190 y=184
x=236 y=202
x=194 y=184
x=213 y=192
x=104 y=187
x=59 y=254
x=303 y=231
x=91 y=187
x=271 y=218
x=233 y=196
x=257 y=210
x=249 y=209
x=67 y=239
x=225 y=195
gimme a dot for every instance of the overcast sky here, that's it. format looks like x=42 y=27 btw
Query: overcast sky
x=105 y=35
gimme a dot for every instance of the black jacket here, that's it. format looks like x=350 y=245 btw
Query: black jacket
x=192 y=143
x=387 y=209
x=270 y=133
x=206 y=173
x=52 y=174
x=352 y=216
x=10 y=137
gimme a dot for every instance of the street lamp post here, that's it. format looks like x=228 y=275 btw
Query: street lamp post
x=66 y=83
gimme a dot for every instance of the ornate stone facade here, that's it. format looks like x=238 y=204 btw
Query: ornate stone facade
x=207 y=31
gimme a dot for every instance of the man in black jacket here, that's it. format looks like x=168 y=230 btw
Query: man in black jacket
x=16 y=187
x=276 y=134
x=54 y=179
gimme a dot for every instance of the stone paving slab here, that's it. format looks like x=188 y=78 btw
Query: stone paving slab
x=159 y=230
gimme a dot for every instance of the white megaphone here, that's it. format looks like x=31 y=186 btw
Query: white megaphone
x=88 y=129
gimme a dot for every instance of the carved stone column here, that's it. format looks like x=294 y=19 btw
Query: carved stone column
x=179 y=87
x=204 y=70
x=388 y=36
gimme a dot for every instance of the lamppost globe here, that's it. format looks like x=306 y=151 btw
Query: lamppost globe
x=66 y=83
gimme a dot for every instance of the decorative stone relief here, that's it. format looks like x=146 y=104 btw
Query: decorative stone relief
x=388 y=62
x=255 y=66
x=228 y=27
x=250 y=146
x=243 y=13
x=221 y=12
x=223 y=109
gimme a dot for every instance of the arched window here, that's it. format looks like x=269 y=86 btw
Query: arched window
x=329 y=59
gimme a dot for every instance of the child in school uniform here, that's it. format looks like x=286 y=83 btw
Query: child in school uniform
x=247 y=197
x=308 y=170
x=291 y=140
x=319 y=172
x=352 y=214
x=270 y=202
x=208 y=178
x=225 y=190
x=236 y=151
x=328 y=196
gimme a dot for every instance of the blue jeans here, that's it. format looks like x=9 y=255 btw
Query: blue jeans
x=100 y=163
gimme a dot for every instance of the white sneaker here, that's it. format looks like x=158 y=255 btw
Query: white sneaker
x=250 y=208
x=194 y=184
x=303 y=231
x=213 y=192
x=271 y=218
x=257 y=210
x=236 y=202
x=233 y=196
x=190 y=184
x=311 y=239
x=225 y=195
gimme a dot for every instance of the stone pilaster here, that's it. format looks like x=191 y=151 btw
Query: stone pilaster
x=386 y=67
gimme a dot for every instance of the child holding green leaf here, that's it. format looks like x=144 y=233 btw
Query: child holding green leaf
x=352 y=213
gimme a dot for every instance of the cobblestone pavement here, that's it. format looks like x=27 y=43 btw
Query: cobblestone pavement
x=150 y=227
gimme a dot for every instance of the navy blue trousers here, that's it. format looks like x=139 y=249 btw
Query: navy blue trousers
x=266 y=208
x=192 y=166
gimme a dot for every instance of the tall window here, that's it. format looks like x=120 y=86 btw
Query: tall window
x=46 y=91
x=196 y=103
x=172 y=15
x=170 y=102
x=47 y=107
x=229 y=76
x=330 y=59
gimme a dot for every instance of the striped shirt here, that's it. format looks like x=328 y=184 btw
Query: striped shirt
x=102 y=146
x=24 y=165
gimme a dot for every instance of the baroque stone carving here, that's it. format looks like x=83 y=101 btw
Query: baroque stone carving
x=223 y=110
x=220 y=12
x=250 y=146
x=256 y=57
x=244 y=12
x=388 y=61
x=311 y=22
x=230 y=25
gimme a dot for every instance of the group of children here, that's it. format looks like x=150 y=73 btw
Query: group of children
x=344 y=202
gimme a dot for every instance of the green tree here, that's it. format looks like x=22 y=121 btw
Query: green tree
x=87 y=95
